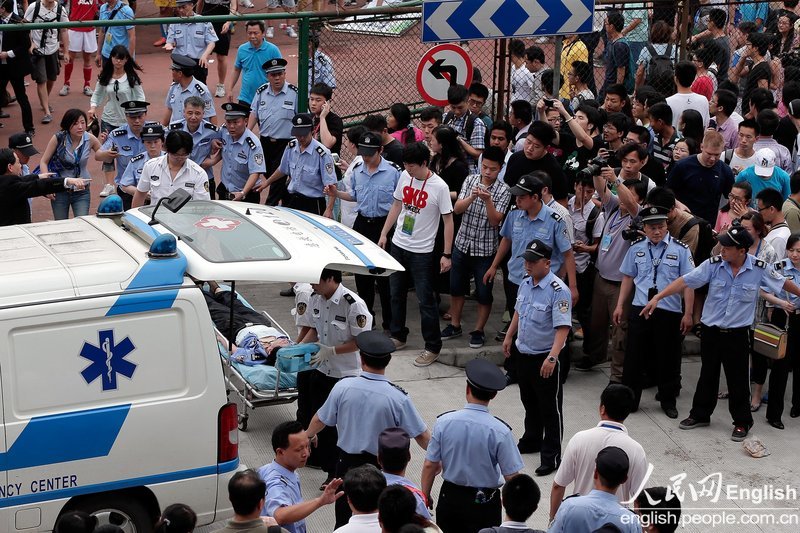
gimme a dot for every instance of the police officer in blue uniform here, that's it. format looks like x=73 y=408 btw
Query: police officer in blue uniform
x=241 y=155
x=195 y=40
x=359 y=426
x=310 y=168
x=653 y=262
x=734 y=278
x=372 y=188
x=475 y=452
x=184 y=85
x=125 y=142
x=542 y=320
x=274 y=106
x=203 y=133
x=153 y=140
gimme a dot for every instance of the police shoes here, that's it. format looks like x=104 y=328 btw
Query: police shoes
x=691 y=423
x=739 y=433
x=669 y=410
x=544 y=470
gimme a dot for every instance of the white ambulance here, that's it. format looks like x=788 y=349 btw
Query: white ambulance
x=112 y=394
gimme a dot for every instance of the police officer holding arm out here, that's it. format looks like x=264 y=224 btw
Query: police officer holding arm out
x=475 y=452
x=655 y=260
x=542 y=318
x=734 y=278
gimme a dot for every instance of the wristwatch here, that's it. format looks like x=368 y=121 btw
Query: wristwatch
x=551 y=359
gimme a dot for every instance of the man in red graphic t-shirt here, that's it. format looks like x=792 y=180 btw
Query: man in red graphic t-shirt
x=81 y=40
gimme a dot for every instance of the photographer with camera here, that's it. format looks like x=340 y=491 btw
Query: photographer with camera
x=614 y=131
x=655 y=260
x=619 y=210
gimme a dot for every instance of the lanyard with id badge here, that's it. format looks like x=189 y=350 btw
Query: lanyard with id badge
x=652 y=291
x=410 y=217
x=605 y=242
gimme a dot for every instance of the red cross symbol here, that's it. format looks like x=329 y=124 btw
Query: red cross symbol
x=217 y=223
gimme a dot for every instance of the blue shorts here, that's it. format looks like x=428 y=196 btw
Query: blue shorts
x=465 y=266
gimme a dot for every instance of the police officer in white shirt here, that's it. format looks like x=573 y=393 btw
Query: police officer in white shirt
x=161 y=176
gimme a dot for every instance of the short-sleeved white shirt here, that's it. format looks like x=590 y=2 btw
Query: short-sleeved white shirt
x=156 y=180
x=424 y=201
x=578 y=461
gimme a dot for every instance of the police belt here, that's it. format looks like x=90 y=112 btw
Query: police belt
x=314 y=198
x=352 y=460
x=469 y=492
x=274 y=140
x=617 y=283
x=729 y=330
x=372 y=220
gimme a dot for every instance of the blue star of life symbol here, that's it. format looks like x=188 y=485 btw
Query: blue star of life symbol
x=108 y=360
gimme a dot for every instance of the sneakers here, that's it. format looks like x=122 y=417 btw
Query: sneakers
x=161 y=42
x=64 y=91
x=290 y=32
x=451 y=332
x=691 y=423
x=739 y=433
x=398 y=344
x=108 y=189
x=270 y=32
x=220 y=92
x=476 y=339
x=88 y=91
x=426 y=358
x=246 y=3
x=47 y=119
x=501 y=336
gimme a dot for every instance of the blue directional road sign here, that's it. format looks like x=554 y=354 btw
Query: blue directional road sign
x=459 y=20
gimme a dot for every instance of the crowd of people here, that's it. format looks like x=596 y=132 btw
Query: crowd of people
x=645 y=199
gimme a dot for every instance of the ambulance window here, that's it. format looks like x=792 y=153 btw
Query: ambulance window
x=219 y=234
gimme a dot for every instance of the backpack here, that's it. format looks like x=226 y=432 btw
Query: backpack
x=630 y=69
x=469 y=125
x=660 y=69
x=706 y=238
x=727 y=157
x=59 y=12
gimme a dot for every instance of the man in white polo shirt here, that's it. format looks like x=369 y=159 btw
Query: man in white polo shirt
x=578 y=461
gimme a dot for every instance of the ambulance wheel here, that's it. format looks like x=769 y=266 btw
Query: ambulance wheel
x=243 y=422
x=130 y=515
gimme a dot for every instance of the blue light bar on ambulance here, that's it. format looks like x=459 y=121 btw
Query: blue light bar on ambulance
x=164 y=246
x=111 y=206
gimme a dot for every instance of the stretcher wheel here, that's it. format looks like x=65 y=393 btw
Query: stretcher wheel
x=243 y=422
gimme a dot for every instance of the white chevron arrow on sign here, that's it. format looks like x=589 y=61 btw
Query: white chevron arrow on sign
x=579 y=15
x=536 y=16
x=482 y=18
x=437 y=21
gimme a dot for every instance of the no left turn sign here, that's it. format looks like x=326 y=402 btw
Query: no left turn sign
x=442 y=66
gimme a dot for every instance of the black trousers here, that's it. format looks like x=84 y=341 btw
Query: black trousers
x=273 y=153
x=200 y=73
x=223 y=194
x=301 y=202
x=464 y=510
x=659 y=339
x=365 y=285
x=779 y=368
x=729 y=349
x=18 y=85
x=510 y=289
x=127 y=199
x=219 y=306
x=585 y=282
x=313 y=388
x=345 y=463
x=542 y=399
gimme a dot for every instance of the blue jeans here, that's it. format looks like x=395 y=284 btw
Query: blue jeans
x=79 y=200
x=419 y=266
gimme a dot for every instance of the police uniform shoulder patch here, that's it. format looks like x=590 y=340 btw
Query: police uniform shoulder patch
x=358 y=164
x=251 y=143
x=349 y=298
x=262 y=88
x=398 y=387
x=779 y=265
x=680 y=243
x=395 y=165
x=117 y=133
x=637 y=240
x=176 y=126
x=200 y=89
x=503 y=422
x=320 y=150
x=446 y=412
x=210 y=126
x=555 y=216
x=136 y=158
x=293 y=87
x=301 y=308
x=760 y=263
x=556 y=286
x=293 y=143
x=716 y=259
x=361 y=320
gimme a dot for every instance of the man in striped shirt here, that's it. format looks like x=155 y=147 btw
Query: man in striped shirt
x=666 y=135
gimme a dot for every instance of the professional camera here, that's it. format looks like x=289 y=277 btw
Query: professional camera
x=594 y=168
x=790 y=58
x=634 y=230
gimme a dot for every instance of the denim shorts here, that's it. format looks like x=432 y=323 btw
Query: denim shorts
x=465 y=266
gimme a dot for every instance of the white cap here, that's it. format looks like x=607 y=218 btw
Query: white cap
x=765 y=162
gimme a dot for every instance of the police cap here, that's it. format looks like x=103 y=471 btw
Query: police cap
x=737 y=237
x=526 y=184
x=235 y=110
x=485 y=375
x=302 y=124
x=393 y=439
x=374 y=344
x=612 y=463
x=23 y=143
x=134 y=107
x=653 y=214
x=152 y=131
x=276 y=64
x=536 y=250
x=182 y=62
x=369 y=144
